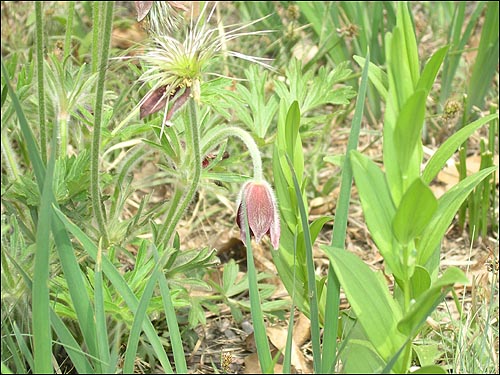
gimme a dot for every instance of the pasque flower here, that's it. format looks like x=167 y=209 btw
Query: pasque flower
x=261 y=210
x=176 y=63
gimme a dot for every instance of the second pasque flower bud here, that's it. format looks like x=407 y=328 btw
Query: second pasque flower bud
x=262 y=212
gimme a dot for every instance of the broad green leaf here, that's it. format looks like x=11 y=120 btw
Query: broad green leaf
x=438 y=160
x=420 y=281
x=359 y=357
x=427 y=353
x=368 y=294
x=428 y=301
x=407 y=135
x=434 y=369
x=378 y=206
x=448 y=206
x=414 y=212
x=399 y=70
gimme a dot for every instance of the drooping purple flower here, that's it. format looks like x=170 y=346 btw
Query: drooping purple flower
x=262 y=212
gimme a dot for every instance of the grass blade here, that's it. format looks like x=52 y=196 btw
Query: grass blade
x=173 y=326
x=339 y=229
x=311 y=275
x=78 y=358
x=486 y=60
x=69 y=263
x=100 y=316
x=139 y=316
x=121 y=285
x=42 y=336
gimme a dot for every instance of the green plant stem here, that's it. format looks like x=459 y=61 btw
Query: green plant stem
x=69 y=29
x=95 y=34
x=40 y=77
x=173 y=206
x=192 y=132
x=96 y=139
x=216 y=137
x=260 y=336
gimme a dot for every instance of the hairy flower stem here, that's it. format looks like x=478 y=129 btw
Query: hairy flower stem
x=176 y=211
x=96 y=12
x=96 y=138
x=41 y=90
x=215 y=138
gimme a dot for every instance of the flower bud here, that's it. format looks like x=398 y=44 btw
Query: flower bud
x=262 y=212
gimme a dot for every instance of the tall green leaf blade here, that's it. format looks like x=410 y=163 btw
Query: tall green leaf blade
x=407 y=136
x=410 y=43
x=487 y=58
x=378 y=207
x=171 y=318
x=448 y=206
x=448 y=148
x=431 y=70
x=311 y=275
x=292 y=124
x=340 y=227
x=100 y=319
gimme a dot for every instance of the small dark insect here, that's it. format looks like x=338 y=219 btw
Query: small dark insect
x=209 y=157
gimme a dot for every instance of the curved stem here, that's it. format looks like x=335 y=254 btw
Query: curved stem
x=192 y=132
x=214 y=138
x=96 y=139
